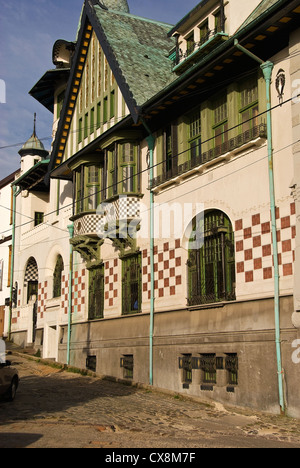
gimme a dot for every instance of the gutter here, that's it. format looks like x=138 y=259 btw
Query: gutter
x=151 y=143
x=16 y=192
x=71 y=233
x=267 y=68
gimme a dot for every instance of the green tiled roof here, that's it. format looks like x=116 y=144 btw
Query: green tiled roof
x=118 y=5
x=139 y=49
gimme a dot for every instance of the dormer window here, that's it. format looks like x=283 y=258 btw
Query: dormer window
x=208 y=32
x=204 y=32
x=190 y=44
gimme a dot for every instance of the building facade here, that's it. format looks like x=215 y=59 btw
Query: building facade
x=6 y=210
x=161 y=242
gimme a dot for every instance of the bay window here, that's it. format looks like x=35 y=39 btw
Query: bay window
x=88 y=186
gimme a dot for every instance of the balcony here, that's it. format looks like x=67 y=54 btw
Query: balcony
x=121 y=208
x=195 y=50
x=253 y=137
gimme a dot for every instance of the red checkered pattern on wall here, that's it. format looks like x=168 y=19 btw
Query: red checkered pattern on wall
x=42 y=297
x=78 y=291
x=167 y=270
x=111 y=283
x=254 y=249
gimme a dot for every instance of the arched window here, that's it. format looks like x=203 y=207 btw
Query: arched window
x=31 y=278
x=59 y=268
x=211 y=265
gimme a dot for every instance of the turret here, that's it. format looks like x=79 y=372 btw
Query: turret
x=32 y=151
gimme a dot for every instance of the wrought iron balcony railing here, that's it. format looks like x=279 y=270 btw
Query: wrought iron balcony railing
x=260 y=131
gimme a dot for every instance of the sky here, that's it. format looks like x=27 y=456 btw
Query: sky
x=28 y=31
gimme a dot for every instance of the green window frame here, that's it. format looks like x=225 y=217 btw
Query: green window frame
x=99 y=115
x=105 y=109
x=38 y=218
x=170 y=150
x=80 y=130
x=204 y=32
x=88 y=186
x=123 y=168
x=211 y=268
x=57 y=277
x=220 y=120
x=92 y=120
x=112 y=104
x=190 y=44
x=128 y=163
x=86 y=125
x=195 y=136
x=131 y=285
x=96 y=293
x=248 y=91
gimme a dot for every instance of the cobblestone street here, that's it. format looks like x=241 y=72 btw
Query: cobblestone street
x=56 y=409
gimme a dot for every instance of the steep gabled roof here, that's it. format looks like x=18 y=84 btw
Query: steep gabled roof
x=137 y=50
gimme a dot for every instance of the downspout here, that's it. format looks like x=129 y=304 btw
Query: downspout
x=151 y=142
x=71 y=233
x=267 y=68
x=16 y=192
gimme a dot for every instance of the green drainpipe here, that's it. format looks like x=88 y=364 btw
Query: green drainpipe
x=71 y=233
x=16 y=192
x=151 y=143
x=267 y=68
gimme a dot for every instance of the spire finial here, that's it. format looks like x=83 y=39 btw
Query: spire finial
x=34 y=124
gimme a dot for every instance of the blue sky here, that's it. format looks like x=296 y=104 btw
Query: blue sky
x=28 y=30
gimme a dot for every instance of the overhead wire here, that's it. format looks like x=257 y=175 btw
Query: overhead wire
x=148 y=168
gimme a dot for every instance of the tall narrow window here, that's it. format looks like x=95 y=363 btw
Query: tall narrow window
x=96 y=293
x=171 y=150
x=131 y=285
x=99 y=115
x=195 y=137
x=211 y=268
x=105 y=110
x=249 y=105
x=57 y=276
x=80 y=131
x=92 y=187
x=86 y=125
x=112 y=104
x=190 y=44
x=127 y=155
x=220 y=127
x=38 y=218
x=204 y=32
x=92 y=120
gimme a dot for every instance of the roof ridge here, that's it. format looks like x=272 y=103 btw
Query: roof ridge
x=130 y=15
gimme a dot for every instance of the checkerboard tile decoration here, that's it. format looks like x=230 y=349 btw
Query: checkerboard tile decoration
x=253 y=243
x=127 y=207
x=31 y=273
x=78 y=291
x=111 y=282
x=86 y=224
x=167 y=270
x=42 y=298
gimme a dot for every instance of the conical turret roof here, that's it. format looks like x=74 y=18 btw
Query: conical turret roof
x=33 y=146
